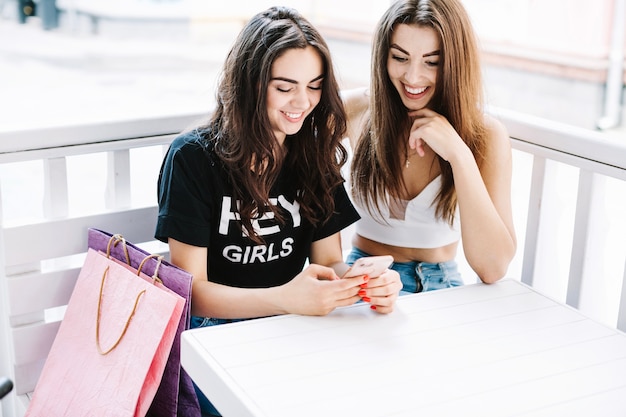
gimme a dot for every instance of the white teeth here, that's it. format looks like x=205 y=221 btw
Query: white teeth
x=293 y=115
x=414 y=90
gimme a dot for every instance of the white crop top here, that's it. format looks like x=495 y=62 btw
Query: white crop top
x=420 y=228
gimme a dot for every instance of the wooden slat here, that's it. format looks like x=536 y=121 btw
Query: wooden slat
x=621 y=318
x=569 y=159
x=26 y=377
x=32 y=344
x=33 y=292
x=566 y=140
x=581 y=238
x=65 y=139
x=34 y=341
x=64 y=237
x=534 y=220
x=55 y=188
x=86 y=149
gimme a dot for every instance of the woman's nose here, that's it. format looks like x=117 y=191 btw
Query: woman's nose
x=301 y=99
x=413 y=73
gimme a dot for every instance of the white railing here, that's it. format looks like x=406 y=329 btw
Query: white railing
x=573 y=230
x=57 y=182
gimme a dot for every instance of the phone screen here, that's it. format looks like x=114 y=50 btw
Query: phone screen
x=369 y=265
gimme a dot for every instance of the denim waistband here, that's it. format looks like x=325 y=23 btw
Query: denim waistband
x=418 y=276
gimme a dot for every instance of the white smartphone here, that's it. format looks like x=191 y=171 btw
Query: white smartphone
x=369 y=265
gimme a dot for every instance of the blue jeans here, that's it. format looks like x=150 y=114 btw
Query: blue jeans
x=208 y=409
x=420 y=276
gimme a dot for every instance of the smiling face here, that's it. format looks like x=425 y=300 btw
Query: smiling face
x=295 y=88
x=412 y=64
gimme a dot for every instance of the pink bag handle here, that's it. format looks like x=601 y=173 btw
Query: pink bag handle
x=155 y=276
x=115 y=239
x=132 y=313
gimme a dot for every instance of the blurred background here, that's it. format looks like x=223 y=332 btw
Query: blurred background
x=67 y=61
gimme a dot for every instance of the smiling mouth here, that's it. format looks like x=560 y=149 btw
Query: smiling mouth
x=293 y=116
x=415 y=91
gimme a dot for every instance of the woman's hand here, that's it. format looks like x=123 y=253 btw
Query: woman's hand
x=317 y=291
x=382 y=292
x=432 y=129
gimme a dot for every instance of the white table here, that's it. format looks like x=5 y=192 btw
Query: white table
x=480 y=350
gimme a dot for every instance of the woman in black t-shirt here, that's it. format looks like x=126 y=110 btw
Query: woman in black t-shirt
x=246 y=200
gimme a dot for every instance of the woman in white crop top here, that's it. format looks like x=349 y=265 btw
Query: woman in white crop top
x=429 y=166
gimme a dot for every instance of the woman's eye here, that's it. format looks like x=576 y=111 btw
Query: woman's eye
x=315 y=87
x=283 y=89
x=432 y=63
x=398 y=58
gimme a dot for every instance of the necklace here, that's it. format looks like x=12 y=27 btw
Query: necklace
x=407 y=160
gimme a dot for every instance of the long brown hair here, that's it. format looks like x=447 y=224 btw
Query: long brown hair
x=241 y=129
x=376 y=170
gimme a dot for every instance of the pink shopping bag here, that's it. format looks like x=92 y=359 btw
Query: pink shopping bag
x=176 y=396
x=111 y=348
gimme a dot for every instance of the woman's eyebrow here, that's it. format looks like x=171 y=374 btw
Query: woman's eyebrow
x=426 y=55
x=396 y=46
x=289 y=80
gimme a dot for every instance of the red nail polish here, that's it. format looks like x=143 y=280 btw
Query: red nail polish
x=364 y=285
x=366 y=299
x=366 y=278
x=373 y=307
x=362 y=293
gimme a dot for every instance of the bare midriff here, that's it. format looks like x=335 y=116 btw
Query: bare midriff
x=401 y=254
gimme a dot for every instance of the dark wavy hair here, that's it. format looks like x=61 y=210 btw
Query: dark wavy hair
x=376 y=169
x=241 y=130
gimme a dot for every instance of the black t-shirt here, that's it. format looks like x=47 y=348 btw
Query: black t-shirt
x=196 y=207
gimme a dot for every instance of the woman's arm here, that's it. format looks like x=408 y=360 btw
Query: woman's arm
x=489 y=240
x=328 y=252
x=484 y=195
x=315 y=291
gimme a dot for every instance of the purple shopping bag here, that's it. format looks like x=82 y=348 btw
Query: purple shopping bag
x=175 y=396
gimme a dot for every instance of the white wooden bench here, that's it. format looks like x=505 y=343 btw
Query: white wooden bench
x=40 y=259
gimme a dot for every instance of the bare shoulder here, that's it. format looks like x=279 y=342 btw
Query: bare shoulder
x=355 y=100
x=498 y=140
x=356 y=104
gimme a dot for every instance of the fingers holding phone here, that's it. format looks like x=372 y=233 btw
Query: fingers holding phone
x=383 y=291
